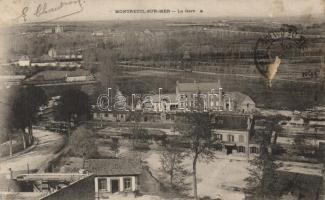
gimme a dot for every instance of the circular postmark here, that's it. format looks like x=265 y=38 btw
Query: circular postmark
x=274 y=48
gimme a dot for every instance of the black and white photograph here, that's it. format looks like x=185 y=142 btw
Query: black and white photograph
x=162 y=100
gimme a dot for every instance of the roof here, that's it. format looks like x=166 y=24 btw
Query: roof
x=196 y=87
x=43 y=58
x=231 y=122
x=69 y=177
x=114 y=167
x=64 y=51
x=24 y=58
x=240 y=97
x=301 y=168
x=55 y=75
x=169 y=97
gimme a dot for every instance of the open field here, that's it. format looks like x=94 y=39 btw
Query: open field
x=219 y=177
x=280 y=96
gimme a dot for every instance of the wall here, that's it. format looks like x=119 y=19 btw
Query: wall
x=236 y=135
x=148 y=183
x=83 y=189
x=105 y=194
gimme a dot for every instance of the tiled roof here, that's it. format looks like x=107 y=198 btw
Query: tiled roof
x=231 y=122
x=114 y=167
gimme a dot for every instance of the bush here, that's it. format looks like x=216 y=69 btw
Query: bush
x=82 y=143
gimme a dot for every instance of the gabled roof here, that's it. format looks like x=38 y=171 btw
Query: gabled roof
x=24 y=58
x=114 y=167
x=196 y=87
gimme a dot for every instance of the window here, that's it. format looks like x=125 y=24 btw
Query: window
x=106 y=114
x=231 y=138
x=182 y=105
x=220 y=121
x=254 y=150
x=127 y=184
x=167 y=117
x=241 y=138
x=241 y=149
x=213 y=120
x=102 y=183
x=219 y=136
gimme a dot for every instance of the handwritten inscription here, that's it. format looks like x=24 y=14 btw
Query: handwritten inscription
x=59 y=9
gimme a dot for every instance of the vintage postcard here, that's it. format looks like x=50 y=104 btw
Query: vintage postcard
x=162 y=99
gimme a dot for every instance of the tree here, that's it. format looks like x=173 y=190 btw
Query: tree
x=171 y=163
x=74 y=105
x=26 y=103
x=299 y=144
x=171 y=46
x=195 y=128
x=82 y=142
x=115 y=146
x=140 y=137
x=263 y=180
x=106 y=67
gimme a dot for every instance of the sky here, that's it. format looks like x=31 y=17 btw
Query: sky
x=83 y=10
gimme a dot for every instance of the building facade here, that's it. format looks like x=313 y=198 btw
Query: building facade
x=115 y=176
x=210 y=96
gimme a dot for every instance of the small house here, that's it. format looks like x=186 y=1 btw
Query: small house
x=115 y=176
x=24 y=61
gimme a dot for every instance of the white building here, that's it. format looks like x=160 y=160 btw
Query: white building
x=58 y=29
x=24 y=61
x=213 y=96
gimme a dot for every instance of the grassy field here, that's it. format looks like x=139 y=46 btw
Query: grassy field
x=280 y=96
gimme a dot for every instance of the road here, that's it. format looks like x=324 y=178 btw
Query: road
x=49 y=144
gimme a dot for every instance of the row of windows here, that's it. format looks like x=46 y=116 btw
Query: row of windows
x=231 y=138
x=242 y=149
x=106 y=115
x=102 y=183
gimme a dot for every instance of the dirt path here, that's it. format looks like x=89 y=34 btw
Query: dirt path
x=49 y=144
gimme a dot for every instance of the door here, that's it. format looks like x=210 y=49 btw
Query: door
x=229 y=150
x=115 y=185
